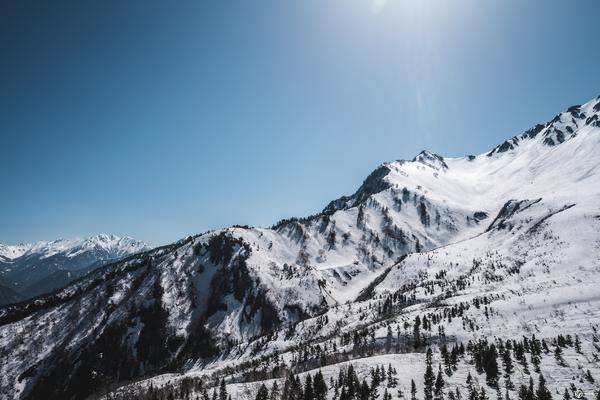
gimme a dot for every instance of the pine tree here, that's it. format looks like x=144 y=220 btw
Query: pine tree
x=391 y=377
x=507 y=361
x=577 y=344
x=365 y=391
x=373 y=394
x=319 y=386
x=344 y=395
x=508 y=382
x=473 y=395
x=223 y=391
x=428 y=378
x=413 y=390
x=558 y=355
x=566 y=395
x=523 y=395
x=439 y=384
x=490 y=364
x=472 y=391
x=309 y=393
x=274 y=395
x=530 y=390
x=417 y=332
x=263 y=393
x=542 y=392
x=388 y=340
x=295 y=389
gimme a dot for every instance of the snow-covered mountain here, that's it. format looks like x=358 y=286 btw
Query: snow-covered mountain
x=36 y=268
x=471 y=253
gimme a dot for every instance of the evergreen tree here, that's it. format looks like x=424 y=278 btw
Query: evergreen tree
x=428 y=378
x=577 y=344
x=490 y=364
x=413 y=390
x=295 y=389
x=530 y=390
x=542 y=392
x=472 y=391
x=365 y=391
x=274 y=395
x=388 y=339
x=223 y=391
x=374 y=393
x=439 y=384
x=391 y=377
x=473 y=395
x=344 y=395
x=508 y=382
x=263 y=393
x=523 y=395
x=309 y=393
x=507 y=361
x=417 y=331
x=319 y=386
x=558 y=355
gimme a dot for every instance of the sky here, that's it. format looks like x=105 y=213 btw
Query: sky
x=160 y=119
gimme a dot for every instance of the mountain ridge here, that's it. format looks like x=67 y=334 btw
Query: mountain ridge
x=416 y=237
x=35 y=268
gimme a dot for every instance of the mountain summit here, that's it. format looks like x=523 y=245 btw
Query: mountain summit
x=32 y=269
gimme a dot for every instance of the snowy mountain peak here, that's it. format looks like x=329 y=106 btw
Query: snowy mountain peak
x=561 y=128
x=430 y=159
x=8 y=252
x=374 y=183
x=36 y=268
x=115 y=246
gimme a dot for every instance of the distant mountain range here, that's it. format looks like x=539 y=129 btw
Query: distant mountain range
x=29 y=270
x=438 y=276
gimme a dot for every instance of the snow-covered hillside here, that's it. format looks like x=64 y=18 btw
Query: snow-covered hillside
x=475 y=252
x=37 y=268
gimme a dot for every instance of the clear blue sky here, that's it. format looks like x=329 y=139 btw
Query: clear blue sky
x=160 y=119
